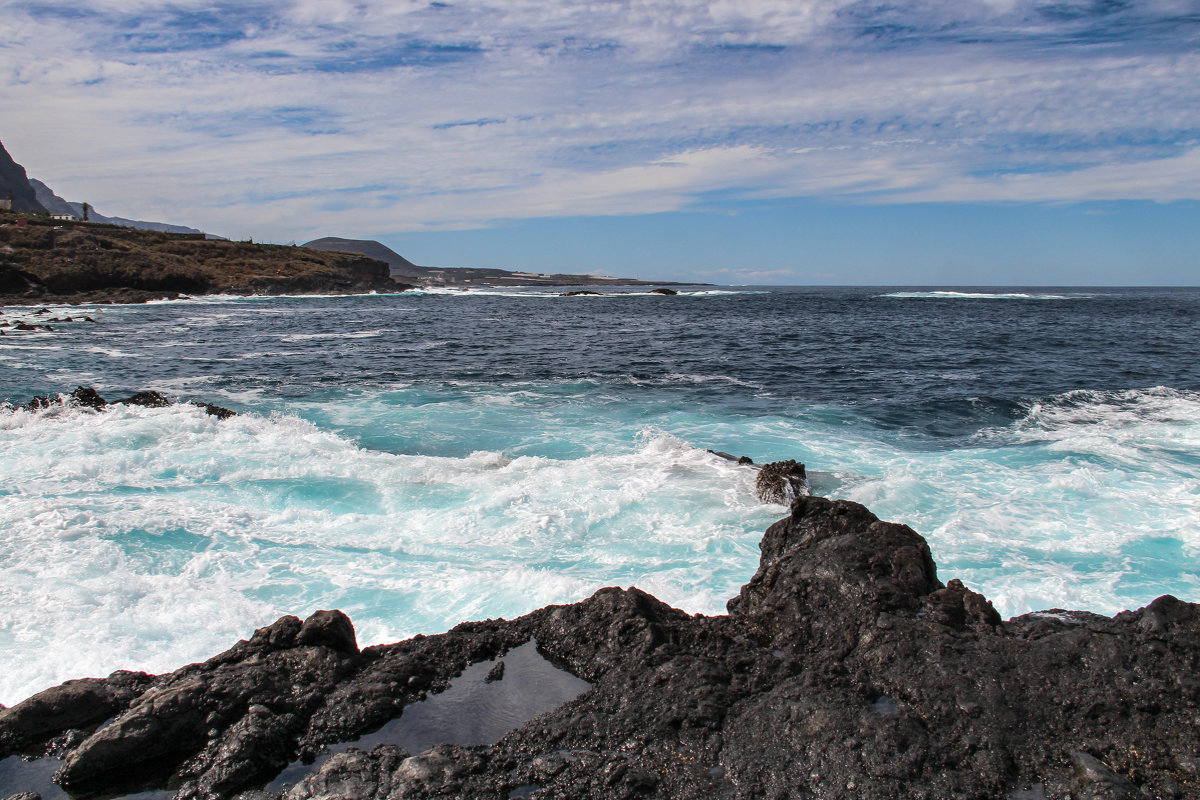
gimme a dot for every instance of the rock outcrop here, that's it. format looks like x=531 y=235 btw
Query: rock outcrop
x=781 y=482
x=87 y=397
x=15 y=189
x=844 y=669
x=63 y=261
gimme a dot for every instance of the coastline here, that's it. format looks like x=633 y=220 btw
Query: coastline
x=844 y=668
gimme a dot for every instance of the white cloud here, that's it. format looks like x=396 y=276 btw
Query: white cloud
x=366 y=115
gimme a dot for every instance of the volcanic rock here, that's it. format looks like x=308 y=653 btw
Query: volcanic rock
x=148 y=399
x=87 y=397
x=844 y=669
x=781 y=482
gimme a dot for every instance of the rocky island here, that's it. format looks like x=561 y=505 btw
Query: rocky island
x=845 y=668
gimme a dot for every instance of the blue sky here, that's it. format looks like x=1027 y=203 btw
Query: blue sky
x=748 y=141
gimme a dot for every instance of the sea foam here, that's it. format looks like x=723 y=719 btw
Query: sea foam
x=145 y=538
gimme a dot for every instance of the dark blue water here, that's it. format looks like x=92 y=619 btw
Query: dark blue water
x=942 y=362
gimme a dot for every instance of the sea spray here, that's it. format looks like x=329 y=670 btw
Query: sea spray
x=418 y=460
x=142 y=538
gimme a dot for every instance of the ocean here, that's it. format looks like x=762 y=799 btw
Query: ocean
x=421 y=459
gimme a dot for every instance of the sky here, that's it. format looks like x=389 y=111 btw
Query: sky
x=964 y=142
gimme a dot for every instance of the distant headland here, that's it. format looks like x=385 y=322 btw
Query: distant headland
x=52 y=250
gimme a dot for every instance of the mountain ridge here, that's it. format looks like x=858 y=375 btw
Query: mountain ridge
x=57 y=205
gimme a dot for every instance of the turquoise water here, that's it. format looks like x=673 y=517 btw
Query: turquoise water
x=421 y=460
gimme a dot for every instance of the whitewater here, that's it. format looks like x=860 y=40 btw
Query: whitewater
x=426 y=458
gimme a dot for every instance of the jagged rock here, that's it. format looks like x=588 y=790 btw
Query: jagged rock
x=328 y=629
x=580 y=293
x=220 y=412
x=781 y=482
x=959 y=607
x=844 y=669
x=664 y=291
x=87 y=397
x=71 y=705
x=149 y=399
x=226 y=721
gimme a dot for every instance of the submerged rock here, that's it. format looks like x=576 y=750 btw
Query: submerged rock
x=844 y=669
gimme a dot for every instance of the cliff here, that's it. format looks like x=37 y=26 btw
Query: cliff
x=44 y=260
x=14 y=185
x=845 y=668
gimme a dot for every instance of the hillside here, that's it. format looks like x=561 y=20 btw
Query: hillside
x=372 y=249
x=49 y=260
x=14 y=185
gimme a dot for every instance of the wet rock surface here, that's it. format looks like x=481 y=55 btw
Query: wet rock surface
x=781 y=482
x=844 y=669
x=87 y=397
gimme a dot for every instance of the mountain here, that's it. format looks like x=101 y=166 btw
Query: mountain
x=372 y=249
x=56 y=205
x=14 y=185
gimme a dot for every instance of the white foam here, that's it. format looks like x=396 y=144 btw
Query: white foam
x=301 y=337
x=146 y=538
x=152 y=537
x=951 y=295
x=1091 y=501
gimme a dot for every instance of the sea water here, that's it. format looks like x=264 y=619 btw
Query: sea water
x=421 y=459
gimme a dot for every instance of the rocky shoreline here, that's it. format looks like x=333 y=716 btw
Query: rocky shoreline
x=61 y=261
x=844 y=669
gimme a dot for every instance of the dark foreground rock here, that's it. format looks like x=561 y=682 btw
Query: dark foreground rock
x=844 y=669
x=87 y=397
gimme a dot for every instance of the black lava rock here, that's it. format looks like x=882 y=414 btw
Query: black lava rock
x=87 y=397
x=844 y=669
x=781 y=482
